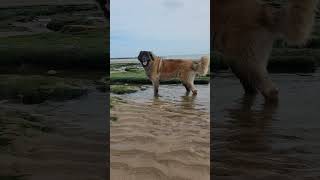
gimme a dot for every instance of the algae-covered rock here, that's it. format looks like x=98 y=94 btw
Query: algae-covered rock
x=37 y=89
x=123 y=89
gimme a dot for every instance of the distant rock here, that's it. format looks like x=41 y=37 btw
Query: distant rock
x=52 y=72
x=77 y=28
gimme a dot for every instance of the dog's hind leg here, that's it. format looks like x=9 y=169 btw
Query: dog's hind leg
x=186 y=85
x=190 y=83
x=265 y=85
x=255 y=78
x=247 y=85
x=187 y=88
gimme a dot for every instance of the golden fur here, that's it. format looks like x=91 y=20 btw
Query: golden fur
x=158 y=69
x=245 y=30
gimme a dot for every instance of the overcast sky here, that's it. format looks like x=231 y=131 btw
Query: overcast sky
x=167 y=27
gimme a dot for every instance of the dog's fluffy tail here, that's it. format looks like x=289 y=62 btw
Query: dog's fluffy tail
x=201 y=67
x=296 y=21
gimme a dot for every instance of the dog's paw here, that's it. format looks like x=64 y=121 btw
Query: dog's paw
x=271 y=95
x=194 y=92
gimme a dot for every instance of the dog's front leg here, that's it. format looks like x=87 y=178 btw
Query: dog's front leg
x=194 y=90
x=156 y=87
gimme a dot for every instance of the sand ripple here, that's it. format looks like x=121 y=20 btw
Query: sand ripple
x=156 y=142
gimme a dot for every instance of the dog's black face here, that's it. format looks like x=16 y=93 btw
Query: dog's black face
x=145 y=57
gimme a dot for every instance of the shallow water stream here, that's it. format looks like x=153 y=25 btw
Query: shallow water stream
x=173 y=95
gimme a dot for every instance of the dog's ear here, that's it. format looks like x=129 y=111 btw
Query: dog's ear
x=152 y=56
x=140 y=55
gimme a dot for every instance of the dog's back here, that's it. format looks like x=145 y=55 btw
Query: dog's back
x=234 y=23
x=172 y=68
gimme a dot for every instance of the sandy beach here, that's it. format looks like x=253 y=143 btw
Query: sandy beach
x=159 y=141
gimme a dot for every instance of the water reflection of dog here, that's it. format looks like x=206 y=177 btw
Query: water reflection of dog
x=243 y=139
x=251 y=127
x=186 y=102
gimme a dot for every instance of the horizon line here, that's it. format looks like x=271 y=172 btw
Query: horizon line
x=134 y=57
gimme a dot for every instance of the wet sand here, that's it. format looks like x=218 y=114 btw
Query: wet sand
x=55 y=140
x=160 y=138
x=252 y=139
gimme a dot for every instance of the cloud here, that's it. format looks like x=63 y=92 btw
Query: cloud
x=167 y=27
x=172 y=4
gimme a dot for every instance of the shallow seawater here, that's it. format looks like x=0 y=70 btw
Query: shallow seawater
x=173 y=95
x=252 y=139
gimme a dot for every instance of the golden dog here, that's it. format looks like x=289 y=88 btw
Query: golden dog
x=165 y=69
x=245 y=31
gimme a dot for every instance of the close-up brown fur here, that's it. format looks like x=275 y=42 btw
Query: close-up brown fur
x=244 y=31
x=158 y=69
